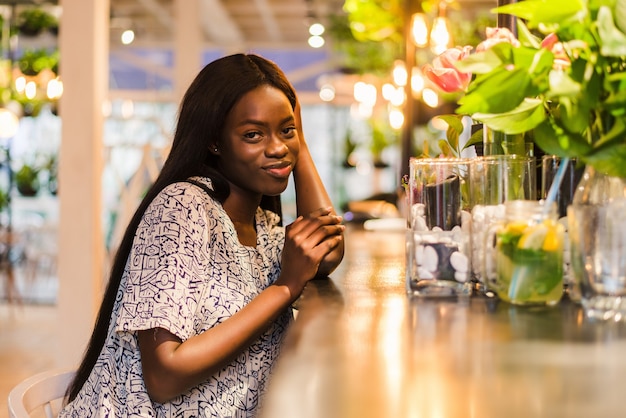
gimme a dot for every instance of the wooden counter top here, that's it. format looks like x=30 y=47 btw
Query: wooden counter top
x=362 y=348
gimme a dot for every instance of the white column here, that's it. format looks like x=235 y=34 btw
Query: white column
x=84 y=49
x=187 y=45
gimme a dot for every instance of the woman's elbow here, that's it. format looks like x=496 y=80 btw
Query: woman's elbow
x=159 y=388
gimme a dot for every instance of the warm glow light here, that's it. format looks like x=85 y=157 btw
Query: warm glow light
x=419 y=30
x=417 y=81
x=440 y=36
x=20 y=84
x=365 y=111
x=316 y=41
x=55 y=89
x=394 y=95
x=388 y=91
x=399 y=73
x=30 y=90
x=128 y=36
x=398 y=97
x=9 y=123
x=396 y=118
x=316 y=29
x=430 y=97
x=327 y=93
x=365 y=93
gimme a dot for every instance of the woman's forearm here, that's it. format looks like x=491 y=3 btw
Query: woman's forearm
x=170 y=367
x=311 y=195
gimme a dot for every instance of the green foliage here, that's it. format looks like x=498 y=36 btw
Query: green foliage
x=576 y=107
x=4 y=199
x=32 y=21
x=370 y=36
x=33 y=61
x=450 y=147
x=362 y=56
x=27 y=179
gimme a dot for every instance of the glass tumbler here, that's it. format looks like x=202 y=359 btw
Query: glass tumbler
x=438 y=237
x=526 y=251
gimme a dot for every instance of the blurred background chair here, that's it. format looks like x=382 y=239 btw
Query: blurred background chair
x=41 y=393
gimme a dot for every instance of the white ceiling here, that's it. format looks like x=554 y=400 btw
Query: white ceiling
x=242 y=24
x=281 y=24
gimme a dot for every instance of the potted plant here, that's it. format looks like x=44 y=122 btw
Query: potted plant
x=32 y=21
x=33 y=61
x=27 y=180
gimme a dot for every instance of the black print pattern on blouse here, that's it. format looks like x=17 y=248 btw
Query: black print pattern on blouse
x=186 y=273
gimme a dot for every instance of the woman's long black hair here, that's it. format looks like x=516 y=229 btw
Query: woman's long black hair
x=203 y=111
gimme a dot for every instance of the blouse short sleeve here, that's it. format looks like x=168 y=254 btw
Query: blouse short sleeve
x=167 y=263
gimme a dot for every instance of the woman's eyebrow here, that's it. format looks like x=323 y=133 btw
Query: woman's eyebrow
x=252 y=121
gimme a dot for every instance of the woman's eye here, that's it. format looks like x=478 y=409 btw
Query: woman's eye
x=253 y=135
x=289 y=131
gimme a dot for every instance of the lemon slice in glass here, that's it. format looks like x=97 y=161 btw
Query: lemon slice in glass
x=554 y=237
x=533 y=237
x=516 y=227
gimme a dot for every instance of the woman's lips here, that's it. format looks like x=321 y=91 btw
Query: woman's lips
x=279 y=170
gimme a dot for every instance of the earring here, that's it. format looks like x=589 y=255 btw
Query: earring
x=215 y=149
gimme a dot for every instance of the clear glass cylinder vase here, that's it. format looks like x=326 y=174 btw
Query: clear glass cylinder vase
x=597 y=233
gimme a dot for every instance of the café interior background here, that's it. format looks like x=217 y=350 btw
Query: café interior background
x=348 y=115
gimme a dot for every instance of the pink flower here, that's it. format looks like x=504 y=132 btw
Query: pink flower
x=444 y=73
x=496 y=36
x=551 y=42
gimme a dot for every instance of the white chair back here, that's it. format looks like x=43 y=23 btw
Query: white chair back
x=43 y=391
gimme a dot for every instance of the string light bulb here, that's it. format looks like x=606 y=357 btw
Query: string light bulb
x=128 y=36
x=441 y=34
x=419 y=30
x=316 y=29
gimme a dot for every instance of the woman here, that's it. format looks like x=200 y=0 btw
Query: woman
x=199 y=296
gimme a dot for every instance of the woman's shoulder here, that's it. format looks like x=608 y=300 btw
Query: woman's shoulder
x=193 y=186
x=196 y=191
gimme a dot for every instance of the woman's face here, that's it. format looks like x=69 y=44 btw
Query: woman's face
x=260 y=145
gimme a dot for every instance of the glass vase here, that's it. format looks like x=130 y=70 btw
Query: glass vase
x=597 y=233
x=438 y=239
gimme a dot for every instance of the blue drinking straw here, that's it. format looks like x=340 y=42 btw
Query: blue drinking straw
x=556 y=183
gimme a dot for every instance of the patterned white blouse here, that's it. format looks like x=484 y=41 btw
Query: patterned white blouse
x=186 y=273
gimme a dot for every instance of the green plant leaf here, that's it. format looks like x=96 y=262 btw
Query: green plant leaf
x=480 y=62
x=455 y=128
x=542 y=12
x=613 y=40
x=525 y=117
x=525 y=36
x=445 y=148
x=486 y=95
x=561 y=84
x=475 y=139
x=620 y=14
x=554 y=140
x=615 y=136
x=609 y=159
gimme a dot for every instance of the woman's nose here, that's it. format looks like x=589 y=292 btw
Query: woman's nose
x=276 y=147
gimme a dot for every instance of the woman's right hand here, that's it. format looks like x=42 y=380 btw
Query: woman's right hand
x=307 y=241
